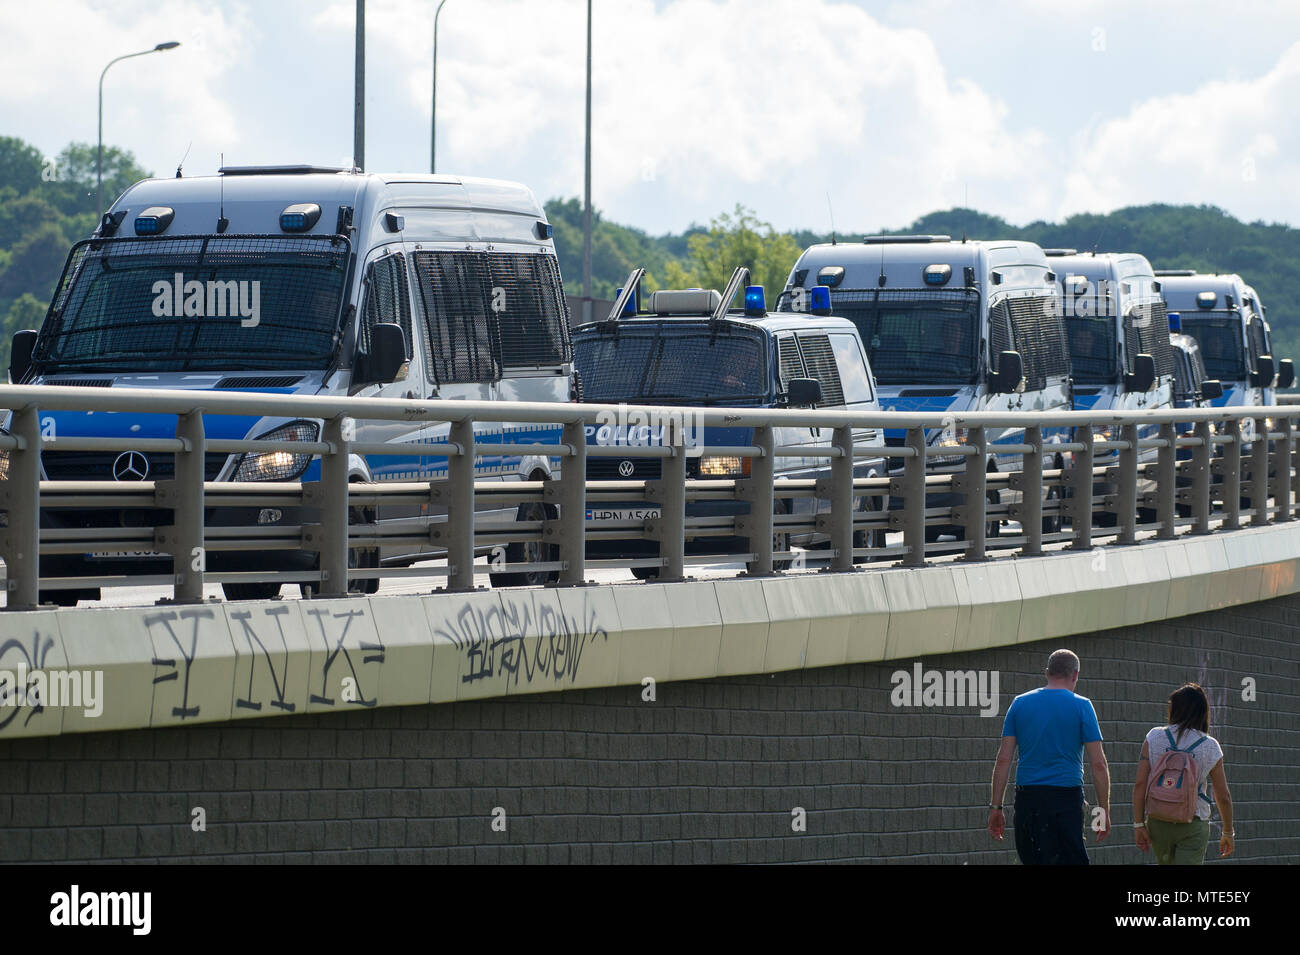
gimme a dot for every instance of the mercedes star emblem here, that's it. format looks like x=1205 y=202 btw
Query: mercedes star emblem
x=130 y=466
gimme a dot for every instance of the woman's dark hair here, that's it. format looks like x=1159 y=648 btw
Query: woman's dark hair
x=1189 y=708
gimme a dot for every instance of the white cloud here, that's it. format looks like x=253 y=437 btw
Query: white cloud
x=700 y=104
x=1231 y=143
x=55 y=51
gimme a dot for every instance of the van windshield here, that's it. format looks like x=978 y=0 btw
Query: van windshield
x=915 y=335
x=666 y=363
x=1221 y=344
x=1093 y=352
x=203 y=303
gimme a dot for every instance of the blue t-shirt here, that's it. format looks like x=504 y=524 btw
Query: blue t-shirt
x=1050 y=725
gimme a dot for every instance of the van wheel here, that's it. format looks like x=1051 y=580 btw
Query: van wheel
x=646 y=573
x=259 y=591
x=873 y=539
x=781 y=541
x=529 y=552
x=1052 y=525
x=366 y=557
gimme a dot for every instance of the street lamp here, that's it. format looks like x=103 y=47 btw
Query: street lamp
x=433 y=123
x=99 y=156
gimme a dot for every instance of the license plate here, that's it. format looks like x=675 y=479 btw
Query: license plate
x=621 y=513
x=126 y=555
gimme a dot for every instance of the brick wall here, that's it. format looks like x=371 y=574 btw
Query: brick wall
x=709 y=772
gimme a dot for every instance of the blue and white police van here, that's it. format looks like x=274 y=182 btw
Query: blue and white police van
x=302 y=280
x=950 y=327
x=1226 y=318
x=689 y=348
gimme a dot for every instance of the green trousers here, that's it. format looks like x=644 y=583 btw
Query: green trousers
x=1179 y=843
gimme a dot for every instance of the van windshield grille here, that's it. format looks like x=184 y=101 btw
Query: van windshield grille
x=1220 y=337
x=1093 y=352
x=913 y=335
x=660 y=363
x=196 y=303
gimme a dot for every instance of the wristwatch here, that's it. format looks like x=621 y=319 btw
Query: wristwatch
x=991 y=806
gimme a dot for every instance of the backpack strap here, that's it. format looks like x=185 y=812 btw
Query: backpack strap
x=1172 y=743
x=1196 y=744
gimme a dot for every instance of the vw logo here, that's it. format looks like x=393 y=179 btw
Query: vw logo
x=130 y=466
x=625 y=468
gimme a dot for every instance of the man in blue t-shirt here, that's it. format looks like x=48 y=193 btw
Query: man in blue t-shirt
x=1052 y=725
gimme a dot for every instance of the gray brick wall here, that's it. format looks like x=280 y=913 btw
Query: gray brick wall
x=708 y=773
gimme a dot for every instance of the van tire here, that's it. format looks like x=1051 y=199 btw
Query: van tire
x=872 y=539
x=264 y=590
x=367 y=557
x=520 y=552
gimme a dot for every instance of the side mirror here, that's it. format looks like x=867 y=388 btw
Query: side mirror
x=1143 y=375
x=1285 y=373
x=20 y=355
x=1010 y=376
x=1211 y=389
x=1264 y=373
x=803 y=392
x=387 y=355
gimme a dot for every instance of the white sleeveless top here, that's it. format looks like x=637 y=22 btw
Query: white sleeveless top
x=1207 y=756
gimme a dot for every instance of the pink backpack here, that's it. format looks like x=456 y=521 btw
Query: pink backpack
x=1174 y=784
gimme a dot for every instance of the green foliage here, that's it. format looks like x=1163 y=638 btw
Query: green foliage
x=45 y=207
x=736 y=240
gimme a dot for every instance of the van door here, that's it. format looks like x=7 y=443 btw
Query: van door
x=818 y=362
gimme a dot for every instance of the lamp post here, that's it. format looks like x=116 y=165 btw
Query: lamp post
x=433 y=123
x=99 y=155
x=586 y=205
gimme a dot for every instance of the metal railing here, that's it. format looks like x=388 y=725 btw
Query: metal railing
x=1068 y=492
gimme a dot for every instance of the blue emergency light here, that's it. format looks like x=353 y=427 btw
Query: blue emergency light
x=1175 y=322
x=755 y=303
x=819 y=300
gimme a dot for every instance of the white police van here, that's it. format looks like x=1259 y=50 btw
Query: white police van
x=950 y=327
x=1226 y=317
x=310 y=281
x=690 y=348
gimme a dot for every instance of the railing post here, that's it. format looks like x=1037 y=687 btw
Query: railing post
x=1080 y=505
x=571 y=527
x=333 y=528
x=1282 y=472
x=840 y=522
x=1201 y=480
x=1167 y=482
x=456 y=496
x=1031 y=492
x=974 y=488
x=22 y=499
x=1231 y=465
x=670 y=493
x=184 y=496
x=1126 y=489
x=913 y=494
x=1259 y=474
x=760 y=493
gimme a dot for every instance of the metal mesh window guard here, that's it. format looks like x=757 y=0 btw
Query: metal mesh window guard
x=1094 y=357
x=388 y=300
x=1039 y=333
x=196 y=303
x=819 y=359
x=1218 y=333
x=666 y=362
x=1146 y=332
x=912 y=334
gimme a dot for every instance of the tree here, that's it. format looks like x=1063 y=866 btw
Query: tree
x=734 y=240
x=73 y=190
x=20 y=165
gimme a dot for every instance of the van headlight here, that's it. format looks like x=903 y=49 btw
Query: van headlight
x=278 y=465
x=1110 y=432
x=722 y=466
x=950 y=438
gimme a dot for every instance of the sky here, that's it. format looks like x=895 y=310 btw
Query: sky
x=875 y=112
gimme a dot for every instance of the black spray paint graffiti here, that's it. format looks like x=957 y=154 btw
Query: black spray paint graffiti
x=184 y=711
x=280 y=678
x=12 y=656
x=370 y=653
x=494 y=645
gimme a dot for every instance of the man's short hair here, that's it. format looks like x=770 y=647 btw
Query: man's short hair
x=1062 y=663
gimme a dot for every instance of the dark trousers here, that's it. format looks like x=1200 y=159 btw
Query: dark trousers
x=1049 y=825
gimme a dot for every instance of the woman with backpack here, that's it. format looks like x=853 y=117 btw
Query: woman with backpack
x=1171 y=799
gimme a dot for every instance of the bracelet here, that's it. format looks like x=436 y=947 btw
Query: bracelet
x=998 y=808
x=1139 y=825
